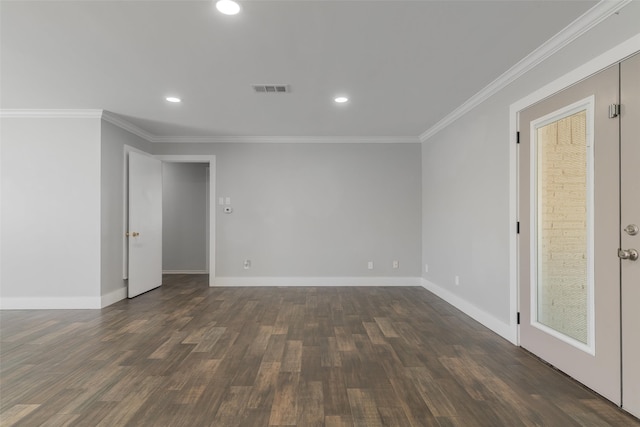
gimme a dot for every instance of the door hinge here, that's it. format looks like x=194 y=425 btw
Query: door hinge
x=518 y=318
x=614 y=111
x=517 y=137
x=518 y=227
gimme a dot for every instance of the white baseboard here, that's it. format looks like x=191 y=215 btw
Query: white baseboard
x=53 y=303
x=185 y=272
x=505 y=330
x=317 y=281
x=62 y=303
x=113 y=297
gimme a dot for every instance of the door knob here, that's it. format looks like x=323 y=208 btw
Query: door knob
x=631 y=229
x=630 y=254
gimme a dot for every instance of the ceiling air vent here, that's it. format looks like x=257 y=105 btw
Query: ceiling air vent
x=271 y=88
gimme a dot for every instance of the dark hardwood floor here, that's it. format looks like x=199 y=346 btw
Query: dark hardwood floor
x=189 y=355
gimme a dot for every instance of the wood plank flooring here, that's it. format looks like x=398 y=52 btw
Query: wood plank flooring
x=189 y=355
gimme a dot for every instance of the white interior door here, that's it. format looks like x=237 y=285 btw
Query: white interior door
x=145 y=224
x=569 y=213
x=630 y=239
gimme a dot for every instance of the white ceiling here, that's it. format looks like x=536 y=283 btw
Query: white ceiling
x=404 y=64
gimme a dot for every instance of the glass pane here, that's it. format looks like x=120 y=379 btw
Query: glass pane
x=562 y=226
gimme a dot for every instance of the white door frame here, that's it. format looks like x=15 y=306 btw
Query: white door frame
x=211 y=160
x=599 y=63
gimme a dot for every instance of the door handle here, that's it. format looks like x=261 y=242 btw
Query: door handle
x=134 y=234
x=630 y=254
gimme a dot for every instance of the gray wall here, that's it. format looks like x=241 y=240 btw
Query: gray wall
x=315 y=210
x=466 y=179
x=184 y=216
x=113 y=140
x=50 y=229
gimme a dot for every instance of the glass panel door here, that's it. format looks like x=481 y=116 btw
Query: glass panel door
x=569 y=213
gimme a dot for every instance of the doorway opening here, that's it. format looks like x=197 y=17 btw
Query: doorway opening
x=188 y=215
x=185 y=218
x=142 y=251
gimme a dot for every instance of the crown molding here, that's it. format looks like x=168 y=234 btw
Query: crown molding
x=128 y=126
x=286 y=139
x=138 y=131
x=51 y=114
x=581 y=25
x=78 y=114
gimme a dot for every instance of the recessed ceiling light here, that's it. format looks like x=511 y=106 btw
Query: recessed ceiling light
x=228 y=7
x=341 y=99
x=173 y=99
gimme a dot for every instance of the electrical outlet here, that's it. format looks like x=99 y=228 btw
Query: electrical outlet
x=370 y=265
x=247 y=264
x=426 y=268
x=457 y=279
x=395 y=264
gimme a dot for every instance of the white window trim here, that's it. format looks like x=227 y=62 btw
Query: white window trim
x=588 y=105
